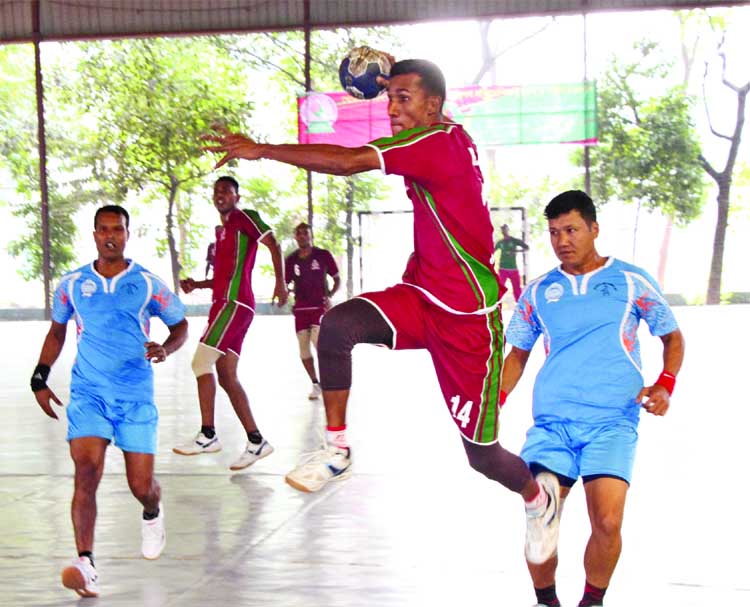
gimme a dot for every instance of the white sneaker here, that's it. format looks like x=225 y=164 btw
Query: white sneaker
x=252 y=453
x=543 y=528
x=329 y=464
x=153 y=536
x=316 y=392
x=81 y=577
x=199 y=444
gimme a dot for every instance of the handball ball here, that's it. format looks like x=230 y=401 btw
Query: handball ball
x=359 y=70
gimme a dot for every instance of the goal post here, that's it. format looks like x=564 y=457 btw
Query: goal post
x=385 y=240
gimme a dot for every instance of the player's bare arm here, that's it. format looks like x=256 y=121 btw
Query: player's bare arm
x=513 y=368
x=280 y=292
x=156 y=352
x=658 y=394
x=321 y=158
x=53 y=345
x=188 y=284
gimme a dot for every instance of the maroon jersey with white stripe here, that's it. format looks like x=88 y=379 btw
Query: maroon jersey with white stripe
x=308 y=274
x=452 y=260
x=236 y=248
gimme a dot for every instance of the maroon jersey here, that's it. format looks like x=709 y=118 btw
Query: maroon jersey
x=236 y=247
x=452 y=260
x=309 y=277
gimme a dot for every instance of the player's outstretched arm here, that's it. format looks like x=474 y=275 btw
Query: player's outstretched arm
x=321 y=158
x=280 y=292
x=51 y=348
x=156 y=352
x=658 y=395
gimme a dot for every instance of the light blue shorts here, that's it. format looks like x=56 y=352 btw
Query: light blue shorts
x=132 y=424
x=583 y=450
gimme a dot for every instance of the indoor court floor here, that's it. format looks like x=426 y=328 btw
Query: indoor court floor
x=413 y=526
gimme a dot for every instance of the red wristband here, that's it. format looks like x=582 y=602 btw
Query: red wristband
x=666 y=381
x=503 y=397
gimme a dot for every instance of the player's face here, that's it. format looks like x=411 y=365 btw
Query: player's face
x=409 y=105
x=573 y=240
x=225 y=197
x=111 y=234
x=302 y=237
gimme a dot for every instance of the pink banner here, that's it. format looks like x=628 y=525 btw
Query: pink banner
x=342 y=119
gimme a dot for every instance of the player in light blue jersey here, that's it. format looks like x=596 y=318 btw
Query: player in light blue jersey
x=112 y=387
x=589 y=393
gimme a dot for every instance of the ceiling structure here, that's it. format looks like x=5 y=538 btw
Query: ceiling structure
x=40 y=20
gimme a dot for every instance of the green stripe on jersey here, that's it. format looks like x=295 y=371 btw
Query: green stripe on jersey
x=240 y=256
x=481 y=279
x=216 y=331
x=262 y=226
x=410 y=136
x=487 y=425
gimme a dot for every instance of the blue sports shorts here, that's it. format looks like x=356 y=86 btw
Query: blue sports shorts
x=132 y=424
x=583 y=450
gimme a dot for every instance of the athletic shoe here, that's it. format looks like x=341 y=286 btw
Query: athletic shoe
x=81 y=577
x=199 y=444
x=153 y=536
x=543 y=528
x=316 y=392
x=252 y=453
x=329 y=464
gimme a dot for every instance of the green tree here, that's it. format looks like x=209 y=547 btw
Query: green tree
x=648 y=150
x=147 y=102
x=19 y=154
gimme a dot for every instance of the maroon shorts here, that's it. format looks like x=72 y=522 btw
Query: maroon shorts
x=228 y=322
x=307 y=317
x=466 y=350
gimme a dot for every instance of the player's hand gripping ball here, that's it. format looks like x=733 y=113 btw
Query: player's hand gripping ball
x=360 y=69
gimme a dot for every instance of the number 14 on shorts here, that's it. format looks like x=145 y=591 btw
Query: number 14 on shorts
x=461 y=413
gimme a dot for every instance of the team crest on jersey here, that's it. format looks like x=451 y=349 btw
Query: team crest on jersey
x=605 y=288
x=315 y=265
x=554 y=292
x=88 y=288
x=296 y=269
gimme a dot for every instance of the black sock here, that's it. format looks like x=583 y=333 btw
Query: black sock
x=88 y=554
x=592 y=596
x=150 y=516
x=547 y=596
x=254 y=437
x=208 y=431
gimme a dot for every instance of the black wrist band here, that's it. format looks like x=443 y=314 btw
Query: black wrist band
x=39 y=378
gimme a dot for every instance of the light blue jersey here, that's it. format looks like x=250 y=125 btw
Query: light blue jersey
x=112 y=319
x=589 y=322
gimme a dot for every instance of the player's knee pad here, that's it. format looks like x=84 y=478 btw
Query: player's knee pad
x=304 y=338
x=204 y=360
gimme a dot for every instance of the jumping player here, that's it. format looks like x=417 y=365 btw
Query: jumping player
x=112 y=386
x=448 y=300
x=307 y=269
x=586 y=423
x=232 y=311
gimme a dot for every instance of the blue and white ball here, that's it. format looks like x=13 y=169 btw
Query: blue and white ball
x=360 y=69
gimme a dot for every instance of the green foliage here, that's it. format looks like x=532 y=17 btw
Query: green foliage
x=648 y=148
x=147 y=102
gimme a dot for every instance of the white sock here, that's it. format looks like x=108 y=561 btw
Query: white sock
x=538 y=502
x=337 y=437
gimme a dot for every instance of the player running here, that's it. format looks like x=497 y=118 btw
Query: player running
x=307 y=269
x=232 y=311
x=112 y=386
x=588 y=394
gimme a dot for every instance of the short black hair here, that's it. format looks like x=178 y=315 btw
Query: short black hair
x=572 y=200
x=433 y=80
x=302 y=226
x=112 y=208
x=230 y=180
